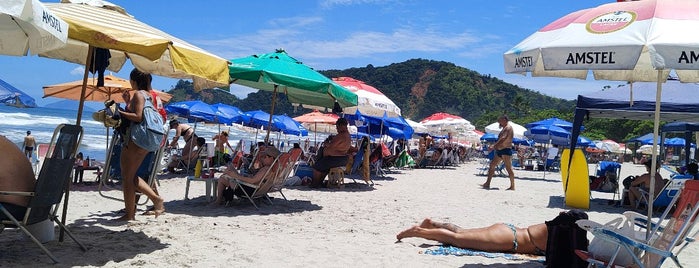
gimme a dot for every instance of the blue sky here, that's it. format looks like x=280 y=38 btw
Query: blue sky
x=337 y=34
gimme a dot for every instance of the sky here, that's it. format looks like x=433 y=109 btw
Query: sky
x=337 y=34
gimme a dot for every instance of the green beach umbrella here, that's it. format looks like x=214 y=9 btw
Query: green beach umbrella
x=279 y=72
x=300 y=83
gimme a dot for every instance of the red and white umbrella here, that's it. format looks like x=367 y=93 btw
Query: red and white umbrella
x=370 y=101
x=442 y=123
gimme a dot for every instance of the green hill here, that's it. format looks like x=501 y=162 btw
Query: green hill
x=420 y=87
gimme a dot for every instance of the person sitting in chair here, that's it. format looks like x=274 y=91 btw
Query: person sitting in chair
x=333 y=154
x=188 y=160
x=267 y=157
x=643 y=182
x=16 y=176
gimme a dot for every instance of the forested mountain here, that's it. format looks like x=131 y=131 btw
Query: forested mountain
x=421 y=87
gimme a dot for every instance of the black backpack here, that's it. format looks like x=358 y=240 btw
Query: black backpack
x=564 y=237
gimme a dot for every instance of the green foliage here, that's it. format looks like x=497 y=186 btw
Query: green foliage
x=422 y=87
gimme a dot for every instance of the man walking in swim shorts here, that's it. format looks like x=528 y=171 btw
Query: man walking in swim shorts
x=503 y=152
x=29 y=144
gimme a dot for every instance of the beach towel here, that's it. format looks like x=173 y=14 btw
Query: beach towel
x=451 y=250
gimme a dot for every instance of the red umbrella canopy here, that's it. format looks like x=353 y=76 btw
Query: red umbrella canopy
x=441 y=116
x=370 y=101
x=317 y=117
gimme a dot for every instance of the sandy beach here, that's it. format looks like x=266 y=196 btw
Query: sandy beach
x=351 y=227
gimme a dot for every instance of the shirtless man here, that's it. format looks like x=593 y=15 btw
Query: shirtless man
x=16 y=175
x=29 y=144
x=499 y=237
x=503 y=152
x=335 y=153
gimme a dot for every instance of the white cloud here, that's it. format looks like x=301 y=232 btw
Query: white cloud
x=334 y=3
x=80 y=70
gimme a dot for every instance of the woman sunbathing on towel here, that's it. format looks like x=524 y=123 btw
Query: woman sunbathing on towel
x=499 y=237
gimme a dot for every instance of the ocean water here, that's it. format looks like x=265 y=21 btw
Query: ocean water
x=42 y=121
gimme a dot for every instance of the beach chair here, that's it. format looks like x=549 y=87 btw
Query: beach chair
x=360 y=163
x=287 y=162
x=112 y=169
x=665 y=195
x=51 y=184
x=667 y=239
x=263 y=187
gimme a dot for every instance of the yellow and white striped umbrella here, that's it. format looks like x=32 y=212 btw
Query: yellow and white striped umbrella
x=150 y=49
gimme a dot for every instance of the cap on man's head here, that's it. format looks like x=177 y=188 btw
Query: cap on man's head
x=271 y=151
x=341 y=122
x=29 y=132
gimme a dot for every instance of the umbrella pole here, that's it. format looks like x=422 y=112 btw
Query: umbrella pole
x=654 y=153
x=90 y=51
x=271 y=112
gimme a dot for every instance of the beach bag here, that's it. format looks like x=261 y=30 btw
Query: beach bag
x=228 y=194
x=603 y=250
x=564 y=237
x=149 y=133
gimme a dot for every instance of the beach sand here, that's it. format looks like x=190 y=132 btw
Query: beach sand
x=351 y=227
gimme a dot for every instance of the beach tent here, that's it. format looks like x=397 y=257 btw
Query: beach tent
x=688 y=129
x=13 y=96
x=617 y=103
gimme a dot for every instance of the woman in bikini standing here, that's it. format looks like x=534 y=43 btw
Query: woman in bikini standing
x=184 y=131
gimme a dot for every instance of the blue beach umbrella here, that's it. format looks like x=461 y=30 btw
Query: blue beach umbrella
x=553 y=121
x=194 y=110
x=549 y=134
x=290 y=126
x=489 y=137
x=228 y=114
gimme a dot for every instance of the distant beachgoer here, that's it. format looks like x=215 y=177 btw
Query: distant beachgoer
x=219 y=149
x=80 y=163
x=16 y=176
x=503 y=152
x=132 y=155
x=29 y=144
x=185 y=131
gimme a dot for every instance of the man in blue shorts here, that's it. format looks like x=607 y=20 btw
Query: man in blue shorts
x=503 y=152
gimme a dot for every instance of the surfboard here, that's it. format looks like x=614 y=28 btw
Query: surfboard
x=578 y=193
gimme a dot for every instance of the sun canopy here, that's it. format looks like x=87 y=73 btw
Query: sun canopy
x=617 y=102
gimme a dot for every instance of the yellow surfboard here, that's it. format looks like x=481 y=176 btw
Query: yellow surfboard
x=578 y=193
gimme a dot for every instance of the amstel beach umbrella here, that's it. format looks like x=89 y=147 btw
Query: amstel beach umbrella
x=28 y=26
x=440 y=123
x=624 y=41
x=280 y=73
x=370 y=101
x=112 y=89
x=116 y=36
